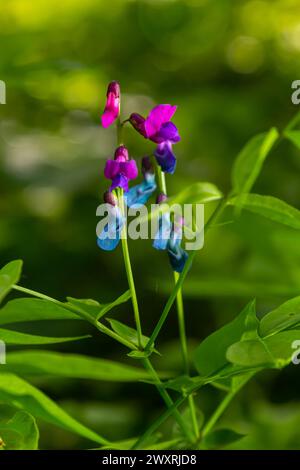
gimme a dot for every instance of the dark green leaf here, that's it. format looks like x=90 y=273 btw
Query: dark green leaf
x=19 y=432
x=9 y=275
x=210 y=355
x=250 y=160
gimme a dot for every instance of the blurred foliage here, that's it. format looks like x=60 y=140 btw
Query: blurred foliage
x=228 y=64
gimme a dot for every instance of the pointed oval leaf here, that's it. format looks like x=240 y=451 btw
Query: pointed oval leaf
x=28 y=309
x=210 y=355
x=269 y=207
x=15 y=390
x=285 y=316
x=19 y=432
x=9 y=275
x=72 y=366
x=15 y=337
x=250 y=160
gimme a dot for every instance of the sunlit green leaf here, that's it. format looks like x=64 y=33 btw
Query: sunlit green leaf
x=16 y=391
x=293 y=136
x=127 y=332
x=285 y=316
x=96 y=310
x=15 y=337
x=273 y=351
x=250 y=160
x=269 y=207
x=19 y=432
x=9 y=275
x=220 y=438
x=29 y=309
x=210 y=355
x=30 y=363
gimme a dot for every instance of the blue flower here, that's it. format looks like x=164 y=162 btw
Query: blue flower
x=109 y=238
x=138 y=195
x=169 y=237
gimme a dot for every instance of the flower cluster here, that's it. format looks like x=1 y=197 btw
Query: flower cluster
x=158 y=128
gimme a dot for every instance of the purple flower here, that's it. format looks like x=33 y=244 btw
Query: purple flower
x=121 y=169
x=165 y=157
x=112 y=107
x=157 y=126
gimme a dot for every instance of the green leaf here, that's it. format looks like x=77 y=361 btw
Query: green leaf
x=285 y=316
x=93 y=308
x=197 y=193
x=28 y=309
x=19 y=393
x=187 y=417
x=250 y=160
x=182 y=383
x=127 y=332
x=210 y=355
x=19 y=432
x=71 y=365
x=274 y=351
x=269 y=207
x=220 y=438
x=9 y=275
x=294 y=137
x=15 y=337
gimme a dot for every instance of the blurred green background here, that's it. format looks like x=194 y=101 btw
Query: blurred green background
x=228 y=65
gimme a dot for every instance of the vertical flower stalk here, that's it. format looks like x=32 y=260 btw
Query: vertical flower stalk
x=128 y=269
x=181 y=323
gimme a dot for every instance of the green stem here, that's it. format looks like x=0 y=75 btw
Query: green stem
x=167 y=399
x=181 y=320
x=80 y=312
x=181 y=279
x=129 y=274
x=222 y=407
x=185 y=356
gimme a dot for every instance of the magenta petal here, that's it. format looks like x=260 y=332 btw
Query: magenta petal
x=112 y=168
x=129 y=169
x=111 y=111
x=158 y=116
x=108 y=118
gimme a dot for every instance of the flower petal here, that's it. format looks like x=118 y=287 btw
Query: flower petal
x=165 y=157
x=120 y=181
x=168 y=131
x=112 y=168
x=110 y=235
x=162 y=236
x=157 y=117
x=129 y=169
x=138 y=195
